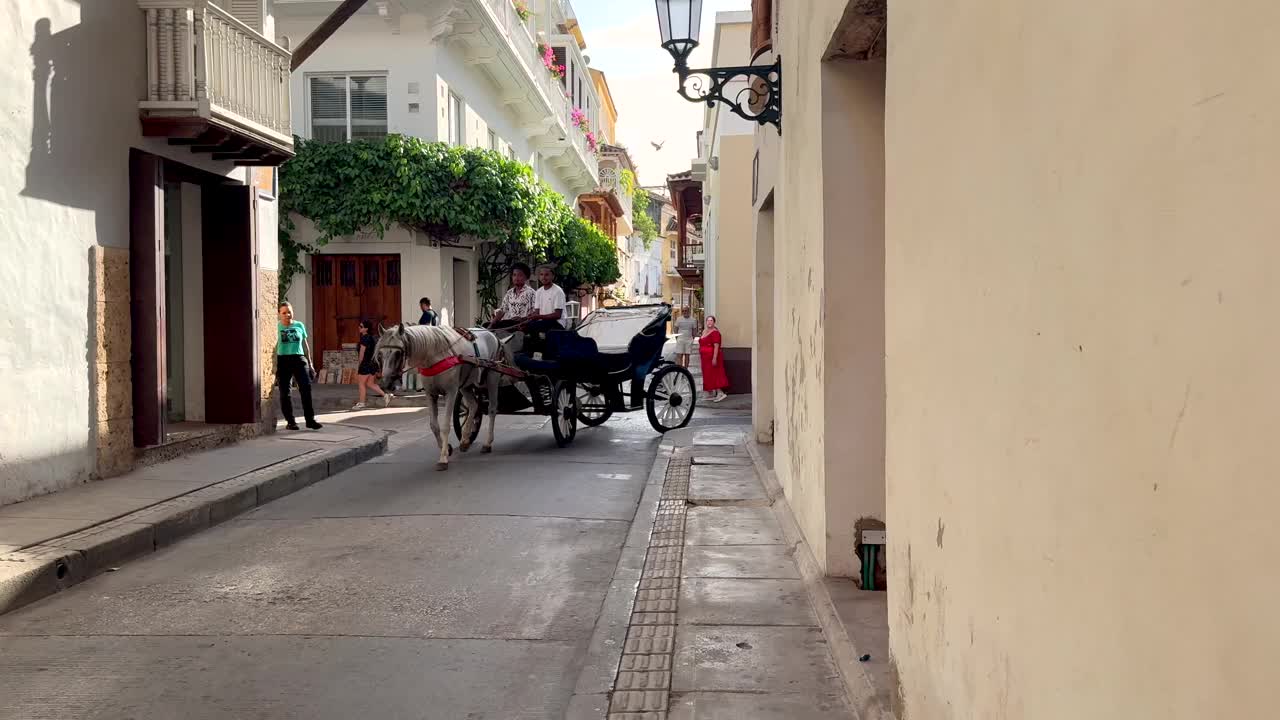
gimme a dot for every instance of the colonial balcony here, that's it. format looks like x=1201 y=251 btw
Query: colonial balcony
x=492 y=36
x=215 y=84
x=612 y=191
x=686 y=197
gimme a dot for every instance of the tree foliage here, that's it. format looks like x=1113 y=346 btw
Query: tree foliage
x=451 y=194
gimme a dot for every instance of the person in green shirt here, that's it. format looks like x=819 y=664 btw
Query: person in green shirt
x=293 y=364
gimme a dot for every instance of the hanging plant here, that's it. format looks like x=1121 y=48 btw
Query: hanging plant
x=548 y=55
x=522 y=9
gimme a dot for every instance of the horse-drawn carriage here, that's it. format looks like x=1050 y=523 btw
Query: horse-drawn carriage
x=610 y=363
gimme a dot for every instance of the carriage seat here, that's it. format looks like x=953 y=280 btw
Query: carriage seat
x=567 y=352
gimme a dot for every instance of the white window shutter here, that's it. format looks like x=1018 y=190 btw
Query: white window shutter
x=248 y=12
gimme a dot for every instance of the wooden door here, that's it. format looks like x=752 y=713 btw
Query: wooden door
x=231 y=376
x=146 y=285
x=346 y=289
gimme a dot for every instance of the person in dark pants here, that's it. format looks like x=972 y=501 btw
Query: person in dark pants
x=293 y=363
x=429 y=316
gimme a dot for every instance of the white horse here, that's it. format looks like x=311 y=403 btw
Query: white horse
x=440 y=350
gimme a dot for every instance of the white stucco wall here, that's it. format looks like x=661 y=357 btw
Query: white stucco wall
x=64 y=169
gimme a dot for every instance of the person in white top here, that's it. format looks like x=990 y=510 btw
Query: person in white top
x=548 y=299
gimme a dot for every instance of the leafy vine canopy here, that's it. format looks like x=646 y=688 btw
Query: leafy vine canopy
x=450 y=193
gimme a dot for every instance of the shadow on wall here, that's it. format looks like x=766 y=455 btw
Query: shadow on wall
x=85 y=113
x=87 y=80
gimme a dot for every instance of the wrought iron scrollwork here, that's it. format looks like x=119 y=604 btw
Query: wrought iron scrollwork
x=759 y=101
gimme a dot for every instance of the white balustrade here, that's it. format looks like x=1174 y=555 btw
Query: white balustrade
x=611 y=181
x=202 y=61
x=522 y=43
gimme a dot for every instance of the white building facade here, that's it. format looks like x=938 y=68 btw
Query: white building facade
x=465 y=72
x=134 y=129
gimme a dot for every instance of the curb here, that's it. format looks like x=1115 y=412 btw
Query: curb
x=859 y=690
x=53 y=566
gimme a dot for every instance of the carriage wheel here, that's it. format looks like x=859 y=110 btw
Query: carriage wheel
x=593 y=405
x=564 y=412
x=460 y=416
x=671 y=398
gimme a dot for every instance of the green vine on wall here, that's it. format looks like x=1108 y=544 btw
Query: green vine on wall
x=449 y=193
x=644 y=225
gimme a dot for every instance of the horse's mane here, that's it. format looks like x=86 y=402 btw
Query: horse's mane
x=426 y=345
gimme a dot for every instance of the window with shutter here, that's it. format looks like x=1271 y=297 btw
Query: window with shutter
x=457 y=120
x=559 y=54
x=368 y=107
x=347 y=107
x=248 y=12
x=393 y=272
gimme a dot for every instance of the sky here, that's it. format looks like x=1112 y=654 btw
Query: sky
x=623 y=42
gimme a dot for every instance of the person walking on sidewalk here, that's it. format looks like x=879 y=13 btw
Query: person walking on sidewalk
x=714 y=379
x=367 y=373
x=686 y=330
x=293 y=363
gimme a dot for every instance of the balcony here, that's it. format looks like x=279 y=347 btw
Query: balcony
x=215 y=84
x=612 y=192
x=494 y=37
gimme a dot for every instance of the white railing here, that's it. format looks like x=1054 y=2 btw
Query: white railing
x=203 y=61
x=522 y=42
x=611 y=181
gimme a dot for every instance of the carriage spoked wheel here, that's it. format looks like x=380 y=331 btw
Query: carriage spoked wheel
x=671 y=398
x=564 y=412
x=593 y=405
x=460 y=414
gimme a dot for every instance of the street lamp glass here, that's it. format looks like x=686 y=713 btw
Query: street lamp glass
x=680 y=24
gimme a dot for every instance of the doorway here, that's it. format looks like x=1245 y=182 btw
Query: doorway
x=463 y=292
x=174 y=337
x=346 y=289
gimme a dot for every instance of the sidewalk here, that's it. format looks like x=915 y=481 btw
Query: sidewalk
x=52 y=542
x=712 y=613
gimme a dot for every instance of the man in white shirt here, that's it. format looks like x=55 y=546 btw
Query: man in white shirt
x=548 y=301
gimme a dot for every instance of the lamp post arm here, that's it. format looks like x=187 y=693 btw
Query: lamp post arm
x=759 y=101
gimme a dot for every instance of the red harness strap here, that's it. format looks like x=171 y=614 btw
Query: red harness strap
x=449 y=362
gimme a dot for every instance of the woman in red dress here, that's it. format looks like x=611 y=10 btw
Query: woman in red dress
x=714 y=379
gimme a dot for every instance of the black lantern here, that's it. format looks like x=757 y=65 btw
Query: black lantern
x=760 y=100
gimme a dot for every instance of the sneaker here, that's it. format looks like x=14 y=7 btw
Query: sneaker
x=386 y=400
x=291 y=425
x=313 y=425
x=718 y=397
x=359 y=406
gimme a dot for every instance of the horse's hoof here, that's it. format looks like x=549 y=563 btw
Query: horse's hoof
x=486 y=450
x=442 y=466
x=465 y=447
x=450 y=451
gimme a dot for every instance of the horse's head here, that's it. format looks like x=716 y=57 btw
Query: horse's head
x=392 y=352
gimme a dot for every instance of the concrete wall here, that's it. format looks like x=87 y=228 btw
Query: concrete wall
x=65 y=136
x=1082 y=286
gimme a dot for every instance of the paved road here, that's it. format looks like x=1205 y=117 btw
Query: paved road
x=389 y=591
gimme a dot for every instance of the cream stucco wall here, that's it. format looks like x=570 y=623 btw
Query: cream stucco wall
x=828 y=384
x=734 y=260
x=1082 y=275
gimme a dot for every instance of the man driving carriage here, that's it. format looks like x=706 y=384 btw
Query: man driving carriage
x=534 y=312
